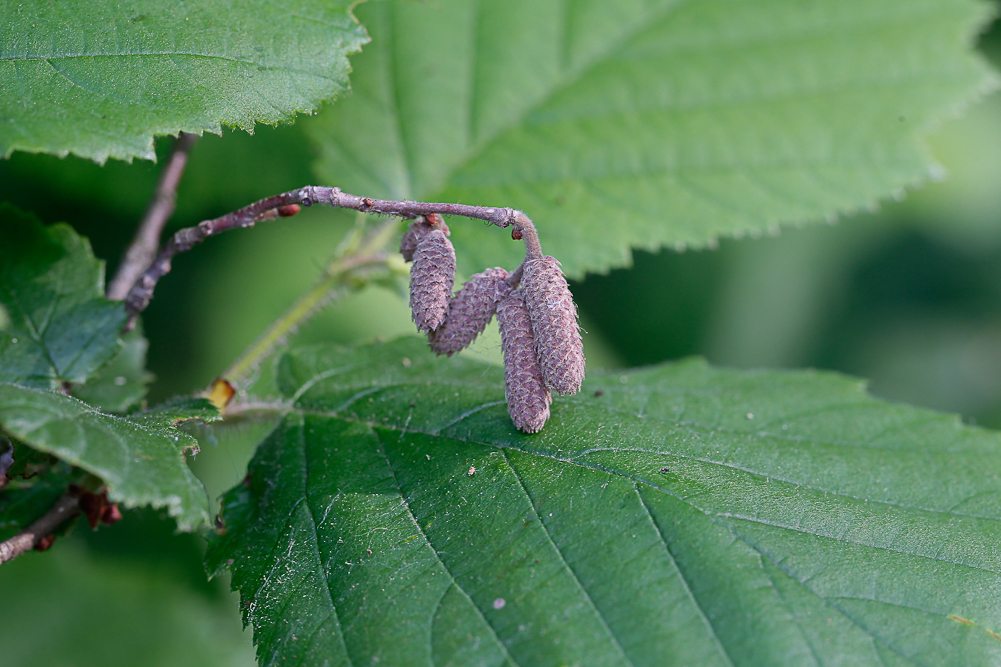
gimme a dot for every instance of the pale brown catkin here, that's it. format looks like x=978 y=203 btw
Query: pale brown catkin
x=527 y=398
x=416 y=231
x=431 y=280
x=469 y=311
x=554 y=320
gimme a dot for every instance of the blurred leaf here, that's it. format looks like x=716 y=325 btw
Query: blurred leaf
x=61 y=328
x=34 y=483
x=121 y=384
x=100 y=79
x=71 y=608
x=674 y=515
x=140 y=458
x=648 y=122
x=177 y=411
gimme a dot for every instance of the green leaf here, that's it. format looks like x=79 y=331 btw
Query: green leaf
x=121 y=383
x=32 y=485
x=140 y=458
x=648 y=122
x=101 y=78
x=674 y=515
x=61 y=327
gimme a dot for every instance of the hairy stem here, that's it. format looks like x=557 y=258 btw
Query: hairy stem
x=354 y=256
x=147 y=239
x=67 y=507
x=269 y=208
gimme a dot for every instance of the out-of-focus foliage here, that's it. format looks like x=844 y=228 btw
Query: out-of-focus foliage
x=61 y=328
x=648 y=122
x=82 y=606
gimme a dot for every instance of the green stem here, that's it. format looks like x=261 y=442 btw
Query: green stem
x=353 y=258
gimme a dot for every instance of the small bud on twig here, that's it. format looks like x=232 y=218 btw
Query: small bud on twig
x=527 y=398
x=554 y=320
x=469 y=311
x=431 y=280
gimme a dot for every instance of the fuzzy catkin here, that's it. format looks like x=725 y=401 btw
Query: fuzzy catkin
x=469 y=311
x=527 y=398
x=431 y=280
x=554 y=320
x=416 y=231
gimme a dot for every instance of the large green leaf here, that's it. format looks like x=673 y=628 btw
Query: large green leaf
x=675 y=515
x=61 y=328
x=140 y=458
x=647 y=122
x=100 y=78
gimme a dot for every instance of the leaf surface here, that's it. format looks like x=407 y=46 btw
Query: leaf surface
x=648 y=122
x=121 y=383
x=61 y=328
x=140 y=458
x=101 y=78
x=673 y=515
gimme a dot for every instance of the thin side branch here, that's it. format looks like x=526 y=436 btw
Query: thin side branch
x=147 y=239
x=271 y=207
x=65 y=508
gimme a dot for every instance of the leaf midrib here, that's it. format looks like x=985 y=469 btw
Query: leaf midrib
x=377 y=426
x=715 y=518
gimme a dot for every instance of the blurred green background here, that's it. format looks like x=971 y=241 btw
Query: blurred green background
x=908 y=297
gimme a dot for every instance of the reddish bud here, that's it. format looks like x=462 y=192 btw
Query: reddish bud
x=431 y=280
x=288 y=211
x=45 y=543
x=469 y=311
x=92 y=505
x=516 y=234
x=417 y=230
x=554 y=320
x=527 y=397
x=111 y=514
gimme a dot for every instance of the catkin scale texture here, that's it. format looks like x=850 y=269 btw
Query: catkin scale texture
x=469 y=311
x=527 y=397
x=431 y=278
x=416 y=231
x=554 y=320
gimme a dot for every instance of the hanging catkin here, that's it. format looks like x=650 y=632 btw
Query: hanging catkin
x=416 y=231
x=431 y=280
x=554 y=321
x=527 y=398
x=469 y=311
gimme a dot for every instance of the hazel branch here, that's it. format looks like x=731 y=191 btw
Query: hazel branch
x=67 y=507
x=147 y=238
x=287 y=203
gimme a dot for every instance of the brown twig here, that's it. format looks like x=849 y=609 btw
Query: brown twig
x=285 y=204
x=67 y=507
x=147 y=239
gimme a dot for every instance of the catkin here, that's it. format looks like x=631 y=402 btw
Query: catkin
x=554 y=321
x=431 y=280
x=469 y=311
x=416 y=231
x=527 y=398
